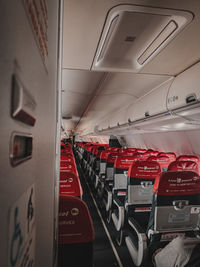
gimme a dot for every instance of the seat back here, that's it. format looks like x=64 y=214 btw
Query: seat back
x=170 y=155
x=164 y=161
x=67 y=149
x=110 y=165
x=183 y=165
x=75 y=233
x=176 y=202
x=149 y=153
x=67 y=157
x=75 y=224
x=131 y=149
x=139 y=155
x=98 y=159
x=70 y=184
x=141 y=177
x=112 y=149
x=141 y=150
x=68 y=166
x=121 y=166
x=191 y=158
x=103 y=156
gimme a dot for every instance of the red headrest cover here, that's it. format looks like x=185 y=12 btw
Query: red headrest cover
x=67 y=150
x=151 y=153
x=67 y=157
x=112 y=149
x=144 y=169
x=141 y=150
x=139 y=155
x=170 y=155
x=112 y=156
x=123 y=162
x=164 y=161
x=104 y=154
x=68 y=166
x=70 y=184
x=132 y=149
x=188 y=157
x=177 y=183
x=75 y=224
x=183 y=165
x=128 y=153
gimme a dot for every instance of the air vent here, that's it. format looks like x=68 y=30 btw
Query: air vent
x=133 y=35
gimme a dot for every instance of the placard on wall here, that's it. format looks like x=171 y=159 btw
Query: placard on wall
x=21 y=236
x=37 y=13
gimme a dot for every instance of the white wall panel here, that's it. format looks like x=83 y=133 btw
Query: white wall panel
x=181 y=142
x=19 y=54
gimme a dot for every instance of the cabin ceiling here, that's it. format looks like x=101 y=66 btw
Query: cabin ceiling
x=88 y=95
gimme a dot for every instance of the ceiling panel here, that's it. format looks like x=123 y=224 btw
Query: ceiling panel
x=97 y=94
x=131 y=84
x=83 y=25
x=77 y=89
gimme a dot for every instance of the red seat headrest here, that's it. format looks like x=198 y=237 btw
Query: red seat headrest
x=65 y=156
x=141 y=150
x=123 y=162
x=188 y=157
x=70 y=184
x=112 y=156
x=164 y=161
x=75 y=224
x=104 y=154
x=183 y=165
x=70 y=166
x=177 y=183
x=128 y=153
x=132 y=149
x=170 y=155
x=144 y=169
x=139 y=156
x=112 y=149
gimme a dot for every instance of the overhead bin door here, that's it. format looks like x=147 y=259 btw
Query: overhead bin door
x=184 y=94
x=154 y=103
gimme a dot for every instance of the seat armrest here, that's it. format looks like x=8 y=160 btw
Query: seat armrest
x=107 y=188
x=117 y=201
x=136 y=227
x=109 y=200
x=118 y=220
x=138 y=252
x=96 y=181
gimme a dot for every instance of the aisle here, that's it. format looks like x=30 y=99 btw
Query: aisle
x=106 y=252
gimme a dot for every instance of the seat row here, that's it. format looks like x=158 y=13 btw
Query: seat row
x=75 y=226
x=69 y=178
x=149 y=196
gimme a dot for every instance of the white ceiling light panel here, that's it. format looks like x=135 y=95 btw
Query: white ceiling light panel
x=133 y=35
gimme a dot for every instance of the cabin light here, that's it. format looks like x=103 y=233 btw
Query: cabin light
x=178 y=125
x=158 y=41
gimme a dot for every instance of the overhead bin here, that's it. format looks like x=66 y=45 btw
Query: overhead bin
x=184 y=95
x=153 y=103
x=133 y=35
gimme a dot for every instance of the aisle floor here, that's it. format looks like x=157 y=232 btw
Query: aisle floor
x=103 y=251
